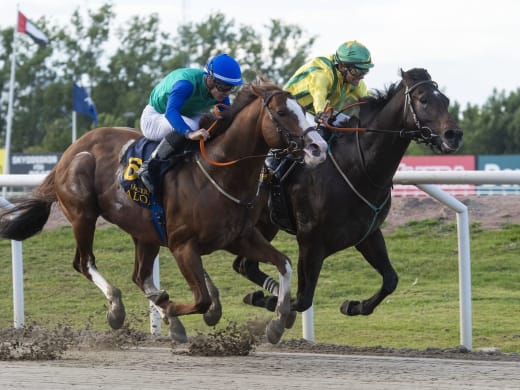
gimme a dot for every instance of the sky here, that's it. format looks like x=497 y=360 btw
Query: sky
x=469 y=47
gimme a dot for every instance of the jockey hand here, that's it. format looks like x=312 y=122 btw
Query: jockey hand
x=318 y=118
x=322 y=117
x=198 y=134
x=223 y=108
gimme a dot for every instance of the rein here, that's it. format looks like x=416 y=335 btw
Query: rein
x=424 y=137
x=422 y=134
x=292 y=147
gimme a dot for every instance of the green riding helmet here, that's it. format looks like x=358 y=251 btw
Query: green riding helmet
x=354 y=53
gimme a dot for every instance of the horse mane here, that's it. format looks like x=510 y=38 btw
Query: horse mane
x=379 y=98
x=246 y=95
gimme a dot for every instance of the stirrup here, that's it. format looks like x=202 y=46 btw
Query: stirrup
x=144 y=175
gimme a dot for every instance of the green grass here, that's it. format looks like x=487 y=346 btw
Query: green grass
x=423 y=312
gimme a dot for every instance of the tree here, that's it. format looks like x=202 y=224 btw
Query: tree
x=120 y=82
x=286 y=48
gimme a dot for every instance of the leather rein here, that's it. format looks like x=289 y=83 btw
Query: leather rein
x=418 y=134
x=291 y=148
x=421 y=134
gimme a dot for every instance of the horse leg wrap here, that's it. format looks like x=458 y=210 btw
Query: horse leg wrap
x=271 y=285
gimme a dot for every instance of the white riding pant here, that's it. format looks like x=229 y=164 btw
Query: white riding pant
x=155 y=126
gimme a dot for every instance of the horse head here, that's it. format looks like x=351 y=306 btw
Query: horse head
x=286 y=127
x=425 y=114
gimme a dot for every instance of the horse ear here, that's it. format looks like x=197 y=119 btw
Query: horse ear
x=400 y=72
x=255 y=89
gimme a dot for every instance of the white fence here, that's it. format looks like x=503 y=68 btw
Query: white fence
x=423 y=180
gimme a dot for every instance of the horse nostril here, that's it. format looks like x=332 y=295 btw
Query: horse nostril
x=315 y=150
x=453 y=134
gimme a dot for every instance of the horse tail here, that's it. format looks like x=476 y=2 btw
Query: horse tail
x=28 y=216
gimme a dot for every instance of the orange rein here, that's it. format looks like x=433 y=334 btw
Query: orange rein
x=203 y=148
x=330 y=109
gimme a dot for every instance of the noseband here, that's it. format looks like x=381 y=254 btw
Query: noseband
x=422 y=134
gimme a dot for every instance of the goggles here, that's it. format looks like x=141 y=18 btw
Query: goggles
x=357 y=72
x=223 y=87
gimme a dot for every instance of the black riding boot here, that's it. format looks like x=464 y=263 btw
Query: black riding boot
x=149 y=170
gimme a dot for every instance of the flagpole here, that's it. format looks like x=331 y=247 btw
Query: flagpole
x=9 y=123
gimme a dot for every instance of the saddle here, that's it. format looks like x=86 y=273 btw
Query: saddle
x=131 y=161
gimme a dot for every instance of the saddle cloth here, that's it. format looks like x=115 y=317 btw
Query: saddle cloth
x=132 y=159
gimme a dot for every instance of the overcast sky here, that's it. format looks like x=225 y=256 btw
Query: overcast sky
x=469 y=47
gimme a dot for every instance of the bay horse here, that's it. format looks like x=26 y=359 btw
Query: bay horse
x=207 y=206
x=343 y=202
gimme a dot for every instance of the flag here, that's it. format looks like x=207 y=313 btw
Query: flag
x=25 y=26
x=82 y=103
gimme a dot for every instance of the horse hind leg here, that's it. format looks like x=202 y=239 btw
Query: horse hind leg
x=78 y=199
x=251 y=271
x=86 y=264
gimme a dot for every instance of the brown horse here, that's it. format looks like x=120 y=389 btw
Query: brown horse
x=344 y=202
x=206 y=205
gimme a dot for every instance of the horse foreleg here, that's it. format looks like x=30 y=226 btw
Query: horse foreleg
x=190 y=265
x=214 y=313
x=145 y=255
x=310 y=262
x=286 y=318
x=374 y=251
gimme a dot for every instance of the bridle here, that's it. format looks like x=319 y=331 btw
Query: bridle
x=293 y=141
x=422 y=134
x=293 y=147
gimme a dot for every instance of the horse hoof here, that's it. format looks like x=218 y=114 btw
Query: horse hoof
x=254 y=299
x=213 y=315
x=177 y=331
x=350 y=308
x=271 y=302
x=291 y=319
x=274 y=331
x=116 y=316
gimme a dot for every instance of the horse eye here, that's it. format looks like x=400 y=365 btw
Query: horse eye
x=281 y=112
x=423 y=100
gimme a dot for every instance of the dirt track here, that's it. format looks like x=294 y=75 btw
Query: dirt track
x=160 y=368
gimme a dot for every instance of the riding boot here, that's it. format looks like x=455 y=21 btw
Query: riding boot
x=150 y=169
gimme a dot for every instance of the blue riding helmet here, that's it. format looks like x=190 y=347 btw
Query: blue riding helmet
x=225 y=68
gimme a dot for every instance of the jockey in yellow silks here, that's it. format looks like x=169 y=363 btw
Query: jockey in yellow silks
x=336 y=79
